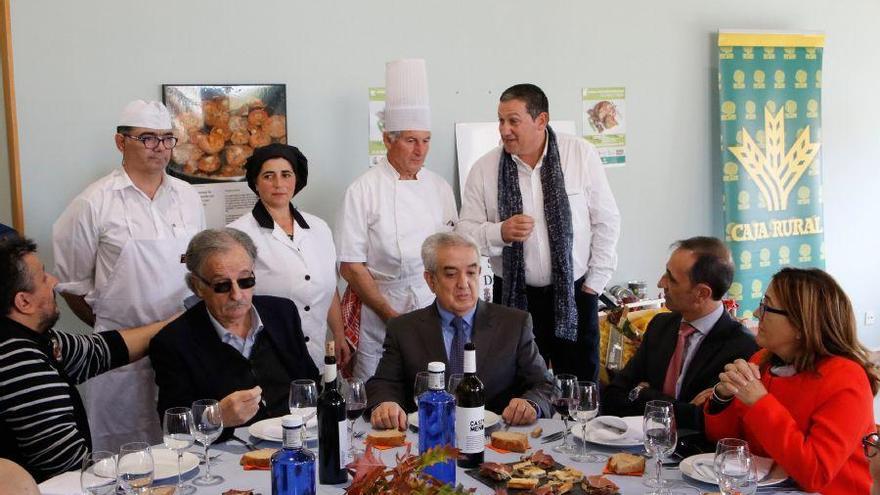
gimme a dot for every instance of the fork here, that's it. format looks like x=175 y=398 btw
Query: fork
x=247 y=444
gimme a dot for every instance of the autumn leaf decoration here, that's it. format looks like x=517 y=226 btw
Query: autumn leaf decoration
x=372 y=477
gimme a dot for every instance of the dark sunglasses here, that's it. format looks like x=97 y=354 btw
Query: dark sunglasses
x=870 y=444
x=226 y=285
x=764 y=308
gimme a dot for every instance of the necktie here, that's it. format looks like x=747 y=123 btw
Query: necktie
x=456 y=350
x=674 y=369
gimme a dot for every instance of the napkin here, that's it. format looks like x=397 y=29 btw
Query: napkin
x=63 y=484
x=597 y=432
x=706 y=467
x=276 y=431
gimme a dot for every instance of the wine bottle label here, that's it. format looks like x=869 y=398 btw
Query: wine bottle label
x=329 y=373
x=469 y=429
x=470 y=362
x=344 y=452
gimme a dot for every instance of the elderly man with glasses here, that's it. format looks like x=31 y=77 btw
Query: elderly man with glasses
x=117 y=251
x=240 y=349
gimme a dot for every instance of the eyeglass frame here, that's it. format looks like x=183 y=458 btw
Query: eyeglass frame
x=764 y=308
x=218 y=287
x=143 y=139
x=871 y=444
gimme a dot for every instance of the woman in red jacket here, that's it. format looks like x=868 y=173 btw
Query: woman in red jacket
x=806 y=398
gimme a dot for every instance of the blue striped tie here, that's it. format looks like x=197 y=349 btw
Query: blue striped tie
x=456 y=350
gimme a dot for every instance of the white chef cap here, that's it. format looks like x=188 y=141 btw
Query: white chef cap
x=406 y=96
x=151 y=115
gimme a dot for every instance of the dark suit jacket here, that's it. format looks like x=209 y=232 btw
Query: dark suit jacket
x=191 y=362
x=508 y=362
x=727 y=341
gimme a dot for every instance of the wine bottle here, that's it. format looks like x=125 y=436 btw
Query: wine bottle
x=437 y=421
x=333 y=452
x=293 y=467
x=470 y=412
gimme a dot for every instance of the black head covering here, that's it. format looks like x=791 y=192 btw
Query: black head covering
x=277 y=150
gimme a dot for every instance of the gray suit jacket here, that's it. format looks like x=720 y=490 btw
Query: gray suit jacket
x=508 y=362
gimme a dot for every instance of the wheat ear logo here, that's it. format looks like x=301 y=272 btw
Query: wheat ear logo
x=775 y=171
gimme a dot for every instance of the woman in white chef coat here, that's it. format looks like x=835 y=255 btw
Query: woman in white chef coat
x=296 y=257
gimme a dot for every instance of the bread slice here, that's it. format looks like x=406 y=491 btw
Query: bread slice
x=522 y=483
x=386 y=438
x=623 y=463
x=511 y=441
x=567 y=473
x=261 y=458
x=163 y=490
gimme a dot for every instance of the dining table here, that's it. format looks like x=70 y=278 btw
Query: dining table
x=226 y=457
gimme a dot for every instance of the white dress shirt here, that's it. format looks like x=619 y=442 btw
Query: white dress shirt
x=594 y=215
x=243 y=345
x=703 y=325
x=90 y=234
x=302 y=269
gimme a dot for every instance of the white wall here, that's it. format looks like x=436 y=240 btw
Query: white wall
x=78 y=63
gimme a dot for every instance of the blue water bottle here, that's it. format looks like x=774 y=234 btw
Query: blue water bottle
x=437 y=421
x=293 y=467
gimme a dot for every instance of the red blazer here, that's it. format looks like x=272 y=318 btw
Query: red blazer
x=810 y=423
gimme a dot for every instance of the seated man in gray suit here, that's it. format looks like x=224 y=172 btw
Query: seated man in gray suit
x=508 y=363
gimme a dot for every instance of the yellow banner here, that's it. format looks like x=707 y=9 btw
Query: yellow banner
x=771 y=39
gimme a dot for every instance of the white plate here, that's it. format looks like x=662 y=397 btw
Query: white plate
x=270 y=429
x=777 y=474
x=632 y=438
x=165 y=463
x=491 y=419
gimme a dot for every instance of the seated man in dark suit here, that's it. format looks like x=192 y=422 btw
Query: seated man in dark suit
x=240 y=349
x=683 y=352
x=508 y=363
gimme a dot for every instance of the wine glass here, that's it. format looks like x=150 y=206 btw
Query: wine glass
x=661 y=437
x=454 y=380
x=207 y=426
x=355 y=403
x=736 y=472
x=564 y=393
x=420 y=385
x=177 y=436
x=303 y=400
x=726 y=444
x=135 y=468
x=664 y=407
x=98 y=475
x=584 y=408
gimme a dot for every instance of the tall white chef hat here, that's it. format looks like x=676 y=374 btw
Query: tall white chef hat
x=140 y=113
x=406 y=96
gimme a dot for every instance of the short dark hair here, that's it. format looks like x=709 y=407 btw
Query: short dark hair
x=124 y=129
x=535 y=99
x=292 y=154
x=14 y=274
x=713 y=266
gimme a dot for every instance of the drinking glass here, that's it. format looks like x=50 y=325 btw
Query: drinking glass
x=355 y=403
x=206 y=427
x=664 y=407
x=177 y=436
x=584 y=408
x=303 y=400
x=454 y=380
x=727 y=444
x=564 y=393
x=661 y=437
x=98 y=475
x=135 y=468
x=736 y=472
x=420 y=385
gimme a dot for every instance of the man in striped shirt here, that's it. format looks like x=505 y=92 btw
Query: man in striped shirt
x=43 y=425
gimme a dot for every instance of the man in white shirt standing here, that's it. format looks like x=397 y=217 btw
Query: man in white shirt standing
x=541 y=208
x=119 y=249
x=388 y=212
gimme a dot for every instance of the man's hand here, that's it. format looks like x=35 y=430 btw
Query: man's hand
x=388 y=415
x=702 y=397
x=517 y=228
x=519 y=412
x=239 y=407
x=343 y=352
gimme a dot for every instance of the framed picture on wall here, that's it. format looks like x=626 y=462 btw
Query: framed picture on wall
x=218 y=126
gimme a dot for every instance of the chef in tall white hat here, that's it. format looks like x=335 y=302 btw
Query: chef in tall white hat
x=386 y=214
x=118 y=249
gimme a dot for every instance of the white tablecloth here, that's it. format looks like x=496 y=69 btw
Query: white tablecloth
x=227 y=465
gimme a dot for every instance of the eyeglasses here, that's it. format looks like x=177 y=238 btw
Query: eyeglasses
x=226 y=285
x=151 y=142
x=764 y=308
x=870 y=444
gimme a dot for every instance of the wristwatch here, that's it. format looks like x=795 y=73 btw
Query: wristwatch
x=634 y=393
